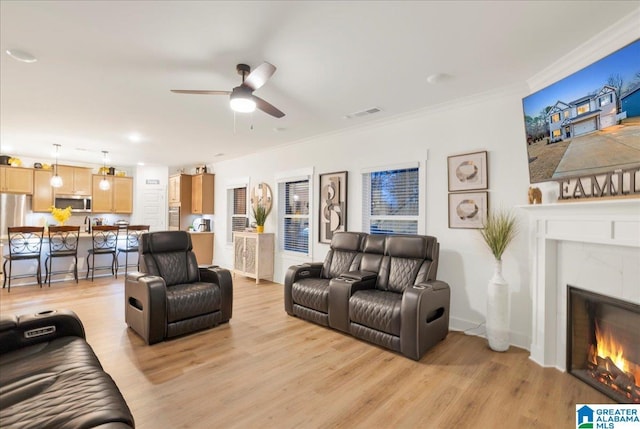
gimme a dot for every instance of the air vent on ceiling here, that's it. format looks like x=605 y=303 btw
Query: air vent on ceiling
x=362 y=113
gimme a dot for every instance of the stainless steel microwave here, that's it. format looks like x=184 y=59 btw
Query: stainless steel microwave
x=78 y=203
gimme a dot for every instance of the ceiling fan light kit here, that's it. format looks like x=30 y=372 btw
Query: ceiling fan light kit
x=241 y=98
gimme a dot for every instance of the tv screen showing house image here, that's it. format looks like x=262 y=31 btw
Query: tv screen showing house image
x=587 y=123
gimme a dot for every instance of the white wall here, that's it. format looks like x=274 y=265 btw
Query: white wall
x=491 y=122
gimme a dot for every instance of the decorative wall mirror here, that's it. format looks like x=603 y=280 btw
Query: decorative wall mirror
x=261 y=196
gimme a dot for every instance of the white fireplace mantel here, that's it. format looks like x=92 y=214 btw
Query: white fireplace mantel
x=603 y=223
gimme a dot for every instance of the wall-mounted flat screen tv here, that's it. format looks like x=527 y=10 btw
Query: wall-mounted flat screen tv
x=589 y=122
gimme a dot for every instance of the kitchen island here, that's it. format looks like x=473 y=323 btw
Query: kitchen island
x=64 y=264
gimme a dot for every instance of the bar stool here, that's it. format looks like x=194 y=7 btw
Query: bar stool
x=104 y=240
x=25 y=243
x=131 y=244
x=63 y=243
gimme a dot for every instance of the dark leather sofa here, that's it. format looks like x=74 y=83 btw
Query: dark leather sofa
x=51 y=378
x=378 y=288
x=171 y=295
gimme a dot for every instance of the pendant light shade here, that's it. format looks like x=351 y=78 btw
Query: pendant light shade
x=104 y=184
x=56 y=180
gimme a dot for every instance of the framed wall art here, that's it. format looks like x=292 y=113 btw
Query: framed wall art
x=468 y=171
x=468 y=209
x=333 y=205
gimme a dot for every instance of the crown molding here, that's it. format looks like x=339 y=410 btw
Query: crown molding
x=618 y=35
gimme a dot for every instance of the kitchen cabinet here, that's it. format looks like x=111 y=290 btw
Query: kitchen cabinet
x=180 y=191
x=253 y=255
x=117 y=199
x=75 y=180
x=16 y=180
x=202 y=193
x=42 y=190
x=203 y=247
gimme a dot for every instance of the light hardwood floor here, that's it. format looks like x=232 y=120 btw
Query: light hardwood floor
x=266 y=369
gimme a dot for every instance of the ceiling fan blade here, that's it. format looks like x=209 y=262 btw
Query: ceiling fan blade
x=267 y=108
x=259 y=75
x=202 y=92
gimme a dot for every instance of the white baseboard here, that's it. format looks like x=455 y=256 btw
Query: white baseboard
x=517 y=339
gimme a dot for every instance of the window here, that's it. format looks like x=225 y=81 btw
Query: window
x=607 y=99
x=391 y=201
x=566 y=114
x=556 y=133
x=237 y=219
x=293 y=209
x=583 y=108
x=555 y=117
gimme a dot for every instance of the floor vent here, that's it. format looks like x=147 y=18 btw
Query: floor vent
x=362 y=113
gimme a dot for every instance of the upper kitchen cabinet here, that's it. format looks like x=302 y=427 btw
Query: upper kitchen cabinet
x=117 y=199
x=42 y=190
x=202 y=193
x=75 y=180
x=180 y=191
x=16 y=180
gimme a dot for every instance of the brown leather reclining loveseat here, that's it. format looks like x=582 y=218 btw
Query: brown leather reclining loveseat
x=50 y=377
x=378 y=288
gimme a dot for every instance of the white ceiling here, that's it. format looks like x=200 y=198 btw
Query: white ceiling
x=105 y=69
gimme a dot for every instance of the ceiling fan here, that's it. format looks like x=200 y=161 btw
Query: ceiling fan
x=241 y=97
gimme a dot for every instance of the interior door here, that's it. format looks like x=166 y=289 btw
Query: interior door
x=154 y=209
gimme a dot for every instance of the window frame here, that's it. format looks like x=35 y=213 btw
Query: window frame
x=366 y=199
x=230 y=187
x=304 y=174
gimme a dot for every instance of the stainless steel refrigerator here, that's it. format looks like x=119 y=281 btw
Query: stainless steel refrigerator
x=13 y=211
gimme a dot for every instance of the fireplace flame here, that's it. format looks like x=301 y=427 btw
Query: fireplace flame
x=608 y=347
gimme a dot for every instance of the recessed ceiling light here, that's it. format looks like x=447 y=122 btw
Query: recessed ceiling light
x=22 y=56
x=437 y=78
x=219 y=154
x=279 y=129
x=135 y=137
x=140 y=163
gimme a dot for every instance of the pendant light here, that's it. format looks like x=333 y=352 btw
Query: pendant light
x=104 y=184
x=56 y=180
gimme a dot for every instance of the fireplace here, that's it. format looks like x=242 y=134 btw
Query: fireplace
x=603 y=343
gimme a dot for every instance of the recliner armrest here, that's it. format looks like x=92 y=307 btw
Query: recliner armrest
x=221 y=277
x=425 y=317
x=295 y=273
x=29 y=329
x=146 y=305
x=359 y=275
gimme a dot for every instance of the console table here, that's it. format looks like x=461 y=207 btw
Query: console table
x=253 y=255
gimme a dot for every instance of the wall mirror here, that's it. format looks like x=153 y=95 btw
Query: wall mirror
x=261 y=196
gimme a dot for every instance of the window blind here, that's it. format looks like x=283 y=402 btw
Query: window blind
x=391 y=201
x=293 y=210
x=237 y=219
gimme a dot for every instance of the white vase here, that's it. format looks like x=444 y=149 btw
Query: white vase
x=498 y=311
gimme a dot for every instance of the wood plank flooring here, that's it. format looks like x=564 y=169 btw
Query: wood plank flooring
x=266 y=369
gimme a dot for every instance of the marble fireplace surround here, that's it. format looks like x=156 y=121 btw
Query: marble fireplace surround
x=592 y=245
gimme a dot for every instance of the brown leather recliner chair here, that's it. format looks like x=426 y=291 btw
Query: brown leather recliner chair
x=171 y=295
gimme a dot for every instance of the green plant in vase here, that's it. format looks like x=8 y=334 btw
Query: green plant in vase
x=260 y=214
